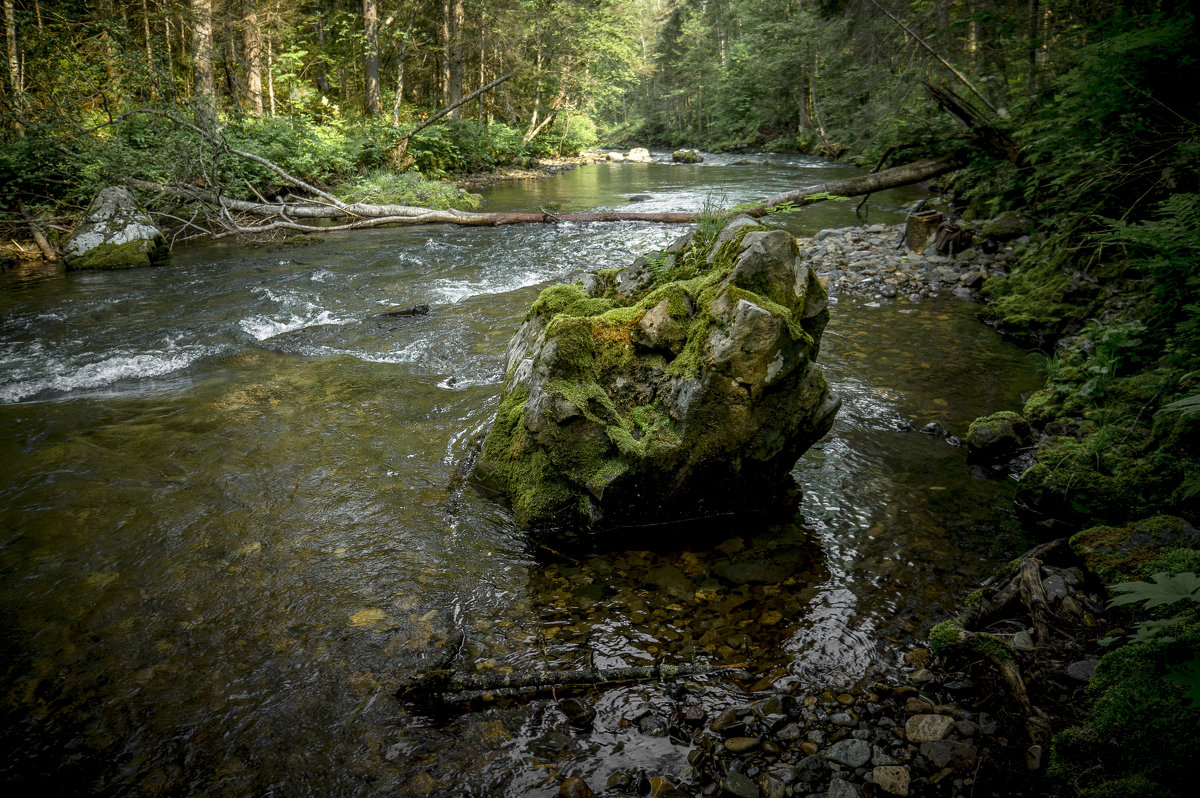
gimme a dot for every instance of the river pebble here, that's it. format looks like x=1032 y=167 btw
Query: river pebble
x=874 y=262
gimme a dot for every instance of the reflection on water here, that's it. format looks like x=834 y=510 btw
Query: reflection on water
x=227 y=536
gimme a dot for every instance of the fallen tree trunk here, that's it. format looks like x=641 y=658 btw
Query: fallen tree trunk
x=284 y=215
x=448 y=681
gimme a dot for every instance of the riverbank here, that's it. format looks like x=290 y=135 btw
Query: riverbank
x=872 y=261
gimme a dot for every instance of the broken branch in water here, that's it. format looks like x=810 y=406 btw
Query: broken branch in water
x=443 y=680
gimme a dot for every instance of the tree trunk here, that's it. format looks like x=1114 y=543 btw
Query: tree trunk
x=1035 y=16
x=10 y=39
x=445 y=65
x=252 y=52
x=371 y=62
x=205 y=90
x=270 y=76
x=146 y=34
x=457 y=55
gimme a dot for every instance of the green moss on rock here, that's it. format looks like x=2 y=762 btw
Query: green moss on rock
x=131 y=254
x=997 y=436
x=1119 y=553
x=944 y=637
x=661 y=393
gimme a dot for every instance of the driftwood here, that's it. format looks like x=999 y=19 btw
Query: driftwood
x=982 y=614
x=286 y=215
x=443 y=680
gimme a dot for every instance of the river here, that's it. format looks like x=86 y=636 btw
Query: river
x=227 y=534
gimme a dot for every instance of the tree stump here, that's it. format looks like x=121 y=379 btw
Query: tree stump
x=919 y=228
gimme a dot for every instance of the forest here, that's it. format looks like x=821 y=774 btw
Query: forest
x=1079 y=118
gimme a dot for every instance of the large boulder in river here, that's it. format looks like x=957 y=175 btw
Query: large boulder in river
x=680 y=387
x=687 y=156
x=639 y=155
x=116 y=233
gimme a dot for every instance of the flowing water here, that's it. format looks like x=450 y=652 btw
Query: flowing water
x=227 y=534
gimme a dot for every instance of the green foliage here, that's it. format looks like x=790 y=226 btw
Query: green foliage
x=1163 y=589
x=385 y=187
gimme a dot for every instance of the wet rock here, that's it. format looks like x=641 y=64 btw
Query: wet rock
x=923 y=728
x=772 y=786
x=851 y=753
x=790 y=733
x=405 y=310
x=578 y=714
x=812 y=768
x=995 y=437
x=753 y=572
x=654 y=402
x=740 y=786
x=922 y=676
x=1033 y=757
x=1083 y=669
x=892 y=779
x=653 y=726
x=575 y=788
x=843 y=719
x=687 y=156
x=949 y=753
x=840 y=788
x=740 y=745
x=115 y=233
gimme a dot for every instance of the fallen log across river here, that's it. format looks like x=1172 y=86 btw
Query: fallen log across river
x=292 y=215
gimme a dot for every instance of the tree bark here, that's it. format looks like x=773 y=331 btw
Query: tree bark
x=146 y=35
x=252 y=52
x=457 y=54
x=446 y=681
x=14 y=65
x=371 y=62
x=445 y=65
x=205 y=81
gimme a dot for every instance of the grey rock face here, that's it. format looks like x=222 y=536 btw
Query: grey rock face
x=116 y=233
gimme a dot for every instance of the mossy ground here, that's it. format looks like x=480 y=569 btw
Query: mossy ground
x=1143 y=733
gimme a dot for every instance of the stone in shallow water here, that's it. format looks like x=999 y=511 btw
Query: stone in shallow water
x=923 y=728
x=840 y=788
x=682 y=387
x=892 y=779
x=949 y=753
x=741 y=786
x=851 y=753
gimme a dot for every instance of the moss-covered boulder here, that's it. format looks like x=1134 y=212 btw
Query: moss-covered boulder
x=1115 y=553
x=997 y=437
x=116 y=233
x=687 y=156
x=682 y=386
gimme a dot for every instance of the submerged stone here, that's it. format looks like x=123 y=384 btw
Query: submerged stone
x=681 y=387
